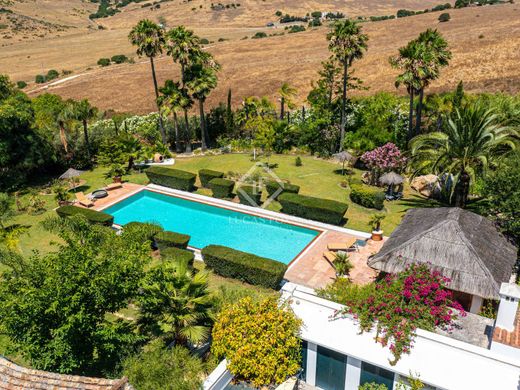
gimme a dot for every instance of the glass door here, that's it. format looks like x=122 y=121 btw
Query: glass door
x=330 y=369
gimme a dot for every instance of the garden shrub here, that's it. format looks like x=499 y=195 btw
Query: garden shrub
x=259 y=35
x=367 y=197
x=142 y=231
x=298 y=161
x=178 y=255
x=222 y=188
x=257 y=324
x=172 y=178
x=52 y=74
x=247 y=267
x=39 y=79
x=323 y=210
x=206 y=175
x=93 y=216
x=119 y=59
x=444 y=17
x=167 y=239
x=273 y=186
x=103 y=62
x=250 y=195
x=21 y=84
x=204 y=41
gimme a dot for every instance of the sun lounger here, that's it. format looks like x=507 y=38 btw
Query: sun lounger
x=113 y=186
x=83 y=200
x=342 y=246
x=329 y=256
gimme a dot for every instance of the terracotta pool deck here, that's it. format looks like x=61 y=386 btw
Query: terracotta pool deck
x=311 y=269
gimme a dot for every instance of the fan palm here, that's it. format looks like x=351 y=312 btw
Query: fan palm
x=348 y=44
x=173 y=98
x=287 y=93
x=472 y=140
x=148 y=37
x=84 y=112
x=175 y=304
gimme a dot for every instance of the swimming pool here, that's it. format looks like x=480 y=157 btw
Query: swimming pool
x=207 y=224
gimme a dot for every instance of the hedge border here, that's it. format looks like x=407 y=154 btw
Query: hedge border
x=92 y=216
x=206 y=175
x=172 y=178
x=222 y=188
x=367 y=197
x=168 y=239
x=317 y=209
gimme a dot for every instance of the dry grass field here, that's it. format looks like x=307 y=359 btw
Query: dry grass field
x=485 y=42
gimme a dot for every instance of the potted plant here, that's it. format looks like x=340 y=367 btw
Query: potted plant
x=342 y=264
x=61 y=194
x=116 y=172
x=375 y=223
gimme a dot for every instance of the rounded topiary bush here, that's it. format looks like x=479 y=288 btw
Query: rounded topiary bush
x=103 y=62
x=39 y=79
x=444 y=17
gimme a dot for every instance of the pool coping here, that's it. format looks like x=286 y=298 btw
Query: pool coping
x=254 y=211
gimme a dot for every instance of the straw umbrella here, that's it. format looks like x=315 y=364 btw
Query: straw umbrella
x=344 y=157
x=70 y=174
x=391 y=179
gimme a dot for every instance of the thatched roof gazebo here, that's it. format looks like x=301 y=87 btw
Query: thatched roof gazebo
x=462 y=245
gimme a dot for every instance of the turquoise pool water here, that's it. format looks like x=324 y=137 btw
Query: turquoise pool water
x=208 y=224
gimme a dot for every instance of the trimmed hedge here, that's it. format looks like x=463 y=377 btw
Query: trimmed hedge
x=247 y=267
x=144 y=231
x=273 y=186
x=222 y=188
x=367 y=197
x=167 y=239
x=93 y=216
x=178 y=255
x=206 y=175
x=323 y=210
x=172 y=178
x=246 y=194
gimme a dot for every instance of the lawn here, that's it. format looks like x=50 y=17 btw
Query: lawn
x=316 y=177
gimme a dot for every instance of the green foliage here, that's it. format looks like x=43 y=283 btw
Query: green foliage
x=372 y=386
x=503 y=196
x=259 y=35
x=172 y=178
x=175 y=304
x=342 y=264
x=444 y=17
x=244 y=266
x=375 y=221
x=21 y=84
x=104 y=62
x=296 y=29
x=250 y=195
x=177 y=255
x=372 y=198
x=166 y=239
x=257 y=325
x=298 y=161
x=206 y=175
x=55 y=306
x=222 y=188
x=273 y=187
x=158 y=367
x=39 y=79
x=143 y=232
x=52 y=74
x=9 y=234
x=93 y=216
x=323 y=210
x=119 y=59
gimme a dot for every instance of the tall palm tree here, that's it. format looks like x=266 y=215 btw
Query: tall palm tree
x=348 y=44
x=435 y=56
x=472 y=140
x=176 y=304
x=63 y=120
x=149 y=39
x=84 y=112
x=287 y=94
x=183 y=45
x=201 y=80
x=173 y=98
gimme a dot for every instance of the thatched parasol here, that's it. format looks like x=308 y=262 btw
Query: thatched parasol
x=391 y=179
x=70 y=174
x=344 y=157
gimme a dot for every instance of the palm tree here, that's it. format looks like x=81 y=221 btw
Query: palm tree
x=173 y=98
x=175 y=304
x=287 y=93
x=149 y=39
x=436 y=56
x=84 y=112
x=472 y=140
x=63 y=120
x=348 y=44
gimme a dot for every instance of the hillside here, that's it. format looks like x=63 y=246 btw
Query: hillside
x=482 y=55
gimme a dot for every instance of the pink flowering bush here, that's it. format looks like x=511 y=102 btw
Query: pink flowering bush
x=384 y=159
x=399 y=304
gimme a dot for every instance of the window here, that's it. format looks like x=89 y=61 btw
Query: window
x=330 y=369
x=303 y=375
x=371 y=373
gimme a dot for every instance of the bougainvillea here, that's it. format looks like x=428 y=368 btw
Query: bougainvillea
x=386 y=158
x=399 y=304
x=259 y=340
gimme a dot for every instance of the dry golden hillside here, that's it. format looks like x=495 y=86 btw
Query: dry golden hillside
x=485 y=42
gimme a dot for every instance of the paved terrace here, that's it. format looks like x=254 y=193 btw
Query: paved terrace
x=311 y=269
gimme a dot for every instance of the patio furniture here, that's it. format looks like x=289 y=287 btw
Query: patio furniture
x=347 y=245
x=113 y=186
x=330 y=256
x=83 y=200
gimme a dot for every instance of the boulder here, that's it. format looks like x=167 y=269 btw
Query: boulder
x=427 y=185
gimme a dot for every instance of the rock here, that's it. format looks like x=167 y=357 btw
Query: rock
x=427 y=185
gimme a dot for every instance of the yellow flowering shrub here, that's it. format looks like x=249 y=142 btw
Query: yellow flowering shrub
x=259 y=340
